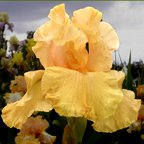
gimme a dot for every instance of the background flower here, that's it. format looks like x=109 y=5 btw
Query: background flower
x=33 y=132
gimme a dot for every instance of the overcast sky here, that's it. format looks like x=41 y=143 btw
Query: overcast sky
x=125 y=16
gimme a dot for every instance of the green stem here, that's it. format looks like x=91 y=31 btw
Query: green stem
x=78 y=126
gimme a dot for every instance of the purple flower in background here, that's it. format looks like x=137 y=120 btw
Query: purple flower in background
x=10 y=26
x=2 y=25
x=22 y=43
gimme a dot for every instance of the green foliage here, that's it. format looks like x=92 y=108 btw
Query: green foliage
x=4 y=17
x=30 y=59
x=17 y=59
x=78 y=127
x=128 y=82
x=15 y=64
x=14 y=40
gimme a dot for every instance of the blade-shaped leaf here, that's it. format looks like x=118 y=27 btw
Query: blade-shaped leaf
x=128 y=83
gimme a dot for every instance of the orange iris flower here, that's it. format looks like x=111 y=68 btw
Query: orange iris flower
x=77 y=81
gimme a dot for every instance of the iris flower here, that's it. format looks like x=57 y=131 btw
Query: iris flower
x=18 y=84
x=34 y=132
x=140 y=91
x=77 y=80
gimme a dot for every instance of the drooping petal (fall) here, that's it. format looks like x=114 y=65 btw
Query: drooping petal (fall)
x=60 y=43
x=119 y=76
x=96 y=96
x=92 y=95
x=125 y=114
x=102 y=38
x=15 y=114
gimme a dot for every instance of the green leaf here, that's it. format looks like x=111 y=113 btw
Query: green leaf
x=56 y=122
x=129 y=77
x=139 y=80
x=128 y=83
x=78 y=126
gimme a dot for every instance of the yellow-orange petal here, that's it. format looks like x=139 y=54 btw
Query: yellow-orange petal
x=87 y=19
x=109 y=35
x=58 y=14
x=60 y=43
x=102 y=38
x=43 y=51
x=15 y=114
x=92 y=95
x=101 y=47
x=119 y=75
x=125 y=114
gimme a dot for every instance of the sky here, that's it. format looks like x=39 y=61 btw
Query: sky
x=126 y=17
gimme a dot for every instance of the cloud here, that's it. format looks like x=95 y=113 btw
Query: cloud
x=21 y=28
x=20 y=36
x=27 y=16
x=126 y=14
x=25 y=26
x=126 y=18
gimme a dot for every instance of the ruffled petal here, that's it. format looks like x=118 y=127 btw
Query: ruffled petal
x=65 y=89
x=92 y=95
x=58 y=14
x=119 y=76
x=16 y=114
x=102 y=38
x=125 y=114
x=109 y=36
x=96 y=96
x=60 y=43
x=87 y=19
x=101 y=47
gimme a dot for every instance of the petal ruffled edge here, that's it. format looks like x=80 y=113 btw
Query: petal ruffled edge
x=58 y=14
x=91 y=95
x=125 y=114
x=16 y=114
x=109 y=35
x=87 y=19
x=101 y=47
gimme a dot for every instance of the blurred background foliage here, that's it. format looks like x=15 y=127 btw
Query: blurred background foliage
x=17 y=57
